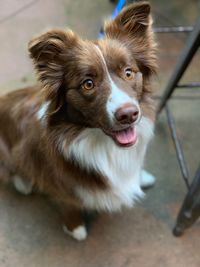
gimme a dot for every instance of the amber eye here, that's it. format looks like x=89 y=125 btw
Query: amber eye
x=128 y=73
x=88 y=84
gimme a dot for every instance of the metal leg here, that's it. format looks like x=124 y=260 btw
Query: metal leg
x=190 y=210
x=179 y=152
x=191 y=47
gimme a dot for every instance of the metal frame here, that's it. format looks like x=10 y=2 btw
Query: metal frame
x=173 y=29
x=190 y=209
x=191 y=47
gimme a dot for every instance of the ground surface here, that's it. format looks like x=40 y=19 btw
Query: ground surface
x=30 y=231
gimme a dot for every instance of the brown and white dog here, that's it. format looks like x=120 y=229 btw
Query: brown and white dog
x=81 y=135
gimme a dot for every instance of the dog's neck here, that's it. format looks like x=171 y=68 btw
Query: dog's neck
x=94 y=150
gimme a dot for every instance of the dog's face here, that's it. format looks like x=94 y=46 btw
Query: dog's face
x=100 y=84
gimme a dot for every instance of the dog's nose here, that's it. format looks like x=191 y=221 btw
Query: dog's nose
x=128 y=113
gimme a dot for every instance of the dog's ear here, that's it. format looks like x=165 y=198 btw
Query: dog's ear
x=48 y=52
x=133 y=26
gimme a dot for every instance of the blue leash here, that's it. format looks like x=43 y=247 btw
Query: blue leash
x=118 y=8
x=116 y=11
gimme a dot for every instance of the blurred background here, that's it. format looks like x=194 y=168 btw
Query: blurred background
x=20 y=20
x=29 y=227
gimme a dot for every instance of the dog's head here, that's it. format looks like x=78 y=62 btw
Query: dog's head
x=99 y=84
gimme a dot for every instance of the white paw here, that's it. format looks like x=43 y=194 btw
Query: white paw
x=24 y=187
x=147 y=179
x=79 y=233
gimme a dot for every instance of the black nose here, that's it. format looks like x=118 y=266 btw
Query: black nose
x=128 y=113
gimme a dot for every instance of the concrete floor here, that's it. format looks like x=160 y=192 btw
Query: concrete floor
x=30 y=231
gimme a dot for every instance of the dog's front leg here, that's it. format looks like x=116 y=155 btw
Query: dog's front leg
x=146 y=179
x=73 y=222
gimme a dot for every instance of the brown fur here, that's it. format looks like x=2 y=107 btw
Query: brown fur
x=63 y=61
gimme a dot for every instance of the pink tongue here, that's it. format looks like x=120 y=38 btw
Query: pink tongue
x=127 y=136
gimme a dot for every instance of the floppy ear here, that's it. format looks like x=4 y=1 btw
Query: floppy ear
x=133 y=26
x=48 y=52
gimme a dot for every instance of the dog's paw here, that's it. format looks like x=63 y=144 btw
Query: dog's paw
x=147 y=179
x=79 y=233
x=22 y=186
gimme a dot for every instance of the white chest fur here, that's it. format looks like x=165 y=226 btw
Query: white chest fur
x=121 y=167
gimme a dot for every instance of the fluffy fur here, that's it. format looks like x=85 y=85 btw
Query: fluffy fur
x=80 y=136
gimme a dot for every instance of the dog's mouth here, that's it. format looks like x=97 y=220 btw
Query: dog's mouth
x=125 y=137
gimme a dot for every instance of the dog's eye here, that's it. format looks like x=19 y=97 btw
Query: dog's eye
x=88 y=84
x=128 y=73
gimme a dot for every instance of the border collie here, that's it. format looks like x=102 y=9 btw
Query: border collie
x=81 y=134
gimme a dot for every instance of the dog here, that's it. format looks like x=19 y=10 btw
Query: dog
x=80 y=135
